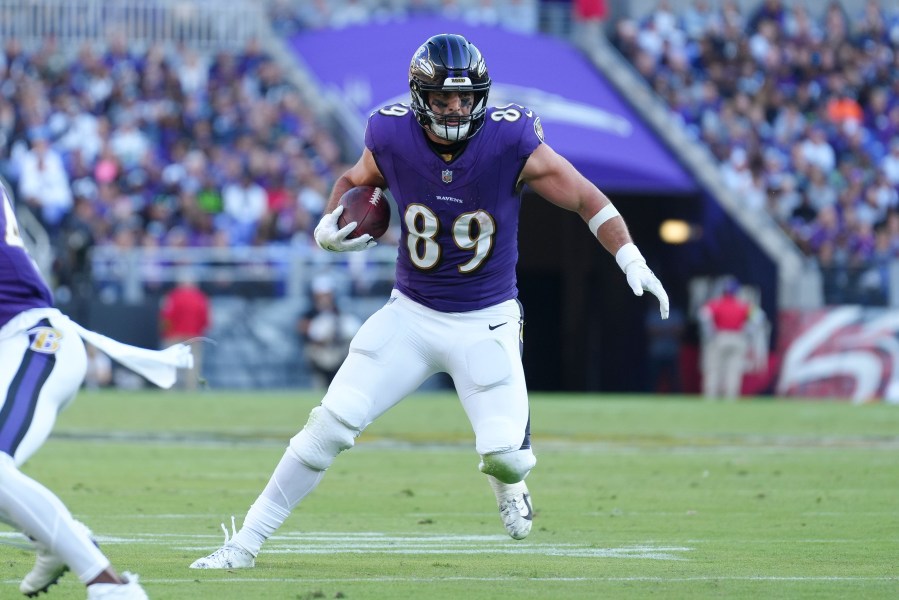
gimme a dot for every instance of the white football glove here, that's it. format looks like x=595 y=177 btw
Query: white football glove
x=328 y=237
x=640 y=277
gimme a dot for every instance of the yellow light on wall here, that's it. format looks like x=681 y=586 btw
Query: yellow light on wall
x=675 y=231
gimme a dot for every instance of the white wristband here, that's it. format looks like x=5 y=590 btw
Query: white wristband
x=607 y=212
x=628 y=254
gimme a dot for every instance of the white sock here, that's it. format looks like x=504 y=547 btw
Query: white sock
x=41 y=515
x=501 y=489
x=291 y=482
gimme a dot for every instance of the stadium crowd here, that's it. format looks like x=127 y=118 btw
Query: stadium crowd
x=160 y=148
x=801 y=110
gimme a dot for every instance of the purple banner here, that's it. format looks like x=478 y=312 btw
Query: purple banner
x=584 y=118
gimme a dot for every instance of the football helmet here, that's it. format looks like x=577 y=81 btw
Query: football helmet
x=449 y=63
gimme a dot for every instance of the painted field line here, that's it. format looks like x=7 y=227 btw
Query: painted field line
x=256 y=580
x=334 y=543
x=687 y=444
x=338 y=580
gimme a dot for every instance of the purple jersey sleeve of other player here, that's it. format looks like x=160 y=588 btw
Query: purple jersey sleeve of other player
x=21 y=285
x=459 y=219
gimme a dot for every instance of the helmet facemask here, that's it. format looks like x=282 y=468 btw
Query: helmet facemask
x=449 y=63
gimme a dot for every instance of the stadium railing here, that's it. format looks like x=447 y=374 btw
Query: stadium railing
x=278 y=271
x=204 y=24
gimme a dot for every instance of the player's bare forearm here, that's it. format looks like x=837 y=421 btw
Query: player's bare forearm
x=613 y=234
x=342 y=184
x=364 y=172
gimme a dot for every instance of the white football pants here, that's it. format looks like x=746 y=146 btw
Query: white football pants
x=42 y=365
x=404 y=343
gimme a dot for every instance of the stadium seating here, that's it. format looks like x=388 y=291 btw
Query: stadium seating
x=802 y=111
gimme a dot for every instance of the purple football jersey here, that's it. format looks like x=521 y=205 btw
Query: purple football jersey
x=21 y=285
x=459 y=244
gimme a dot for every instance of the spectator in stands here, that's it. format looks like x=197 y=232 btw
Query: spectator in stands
x=770 y=11
x=44 y=183
x=245 y=203
x=817 y=151
x=185 y=318
x=724 y=324
x=129 y=144
x=889 y=164
x=193 y=72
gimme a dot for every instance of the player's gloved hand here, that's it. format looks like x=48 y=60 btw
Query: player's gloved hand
x=640 y=277
x=328 y=237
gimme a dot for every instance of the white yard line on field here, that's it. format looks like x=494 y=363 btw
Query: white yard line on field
x=320 y=543
x=302 y=580
x=704 y=443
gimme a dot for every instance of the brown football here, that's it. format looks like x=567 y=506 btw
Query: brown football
x=368 y=207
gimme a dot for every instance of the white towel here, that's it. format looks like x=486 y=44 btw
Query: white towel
x=158 y=366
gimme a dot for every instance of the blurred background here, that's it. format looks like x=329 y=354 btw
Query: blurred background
x=169 y=160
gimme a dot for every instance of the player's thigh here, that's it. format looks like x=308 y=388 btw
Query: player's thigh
x=489 y=378
x=387 y=362
x=42 y=370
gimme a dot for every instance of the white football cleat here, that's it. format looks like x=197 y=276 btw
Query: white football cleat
x=229 y=556
x=130 y=590
x=48 y=568
x=514 y=503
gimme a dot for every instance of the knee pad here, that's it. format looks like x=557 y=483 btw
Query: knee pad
x=508 y=467
x=322 y=439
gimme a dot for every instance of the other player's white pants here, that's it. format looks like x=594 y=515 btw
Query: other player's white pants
x=43 y=364
x=404 y=343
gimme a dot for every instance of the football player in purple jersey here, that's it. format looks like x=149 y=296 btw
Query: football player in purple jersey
x=42 y=365
x=455 y=168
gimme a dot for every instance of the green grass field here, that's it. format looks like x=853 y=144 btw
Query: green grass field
x=635 y=497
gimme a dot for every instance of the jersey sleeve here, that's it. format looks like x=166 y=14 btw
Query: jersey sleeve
x=369 y=133
x=532 y=132
x=519 y=128
x=382 y=125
